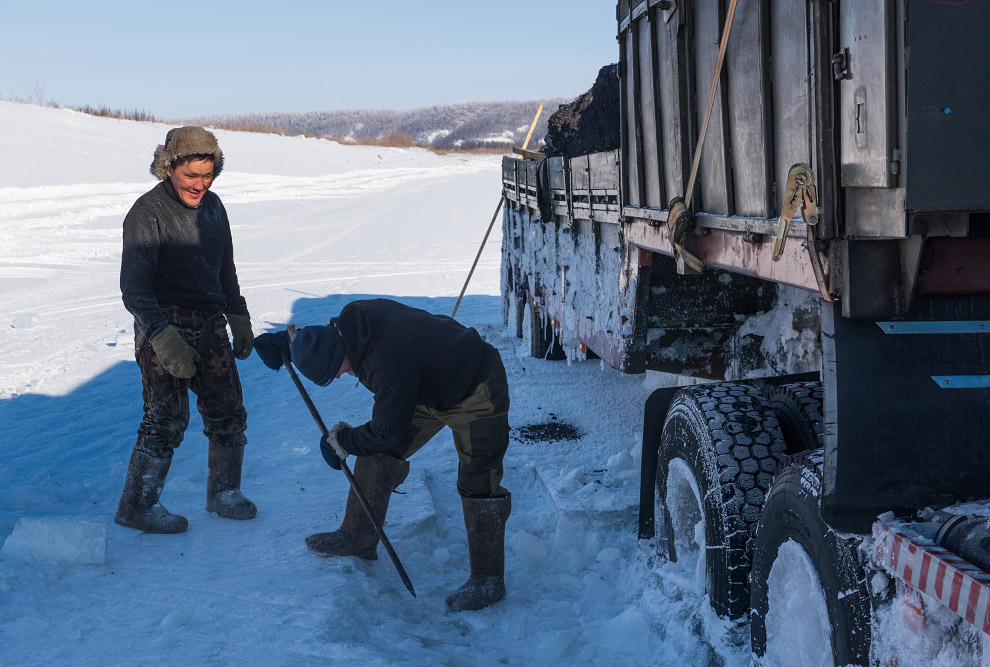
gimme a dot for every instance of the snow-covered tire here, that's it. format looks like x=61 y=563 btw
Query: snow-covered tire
x=726 y=440
x=799 y=409
x=791 y=517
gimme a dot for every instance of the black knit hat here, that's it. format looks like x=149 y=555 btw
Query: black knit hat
x=318 y=352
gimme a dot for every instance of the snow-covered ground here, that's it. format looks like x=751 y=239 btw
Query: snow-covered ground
x=315 y=224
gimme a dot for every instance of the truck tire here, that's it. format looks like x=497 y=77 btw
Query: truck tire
x=718 y=454
x=800 y=408
x=813 y=563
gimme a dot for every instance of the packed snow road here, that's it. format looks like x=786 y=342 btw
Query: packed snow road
x=315 y=225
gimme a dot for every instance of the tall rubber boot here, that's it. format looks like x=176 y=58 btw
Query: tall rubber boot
x=139 y=507
x=223 y=484
x=484 y=519
x=378 y=476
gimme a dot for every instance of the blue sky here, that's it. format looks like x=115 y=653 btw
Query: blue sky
x=183 y=59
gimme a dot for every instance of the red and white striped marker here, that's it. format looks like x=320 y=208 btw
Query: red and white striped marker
x=940 y=574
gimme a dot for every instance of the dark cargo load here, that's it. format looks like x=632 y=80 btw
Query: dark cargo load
x=589 y=124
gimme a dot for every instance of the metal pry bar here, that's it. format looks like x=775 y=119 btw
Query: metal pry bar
x=350 y=478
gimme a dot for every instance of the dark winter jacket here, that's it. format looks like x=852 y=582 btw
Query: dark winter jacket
x=407 y=357
x=177 y=255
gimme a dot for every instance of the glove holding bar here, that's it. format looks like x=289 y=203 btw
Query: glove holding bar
x=332 y=452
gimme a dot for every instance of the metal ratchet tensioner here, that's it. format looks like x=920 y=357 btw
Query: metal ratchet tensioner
x=801 y=192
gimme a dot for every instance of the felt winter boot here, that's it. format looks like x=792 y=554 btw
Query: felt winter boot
x=223 y=484
x=484 y=519
x=139 y=507
x=378 y=476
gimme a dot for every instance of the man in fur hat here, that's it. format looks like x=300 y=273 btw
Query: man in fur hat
x=426 y=372
x=177 y=278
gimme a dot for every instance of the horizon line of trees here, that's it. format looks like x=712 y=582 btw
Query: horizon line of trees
x=485 y=127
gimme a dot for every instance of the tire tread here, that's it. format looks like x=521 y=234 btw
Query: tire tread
x=734 y=466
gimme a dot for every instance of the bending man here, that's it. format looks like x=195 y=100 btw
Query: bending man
x=426 y=372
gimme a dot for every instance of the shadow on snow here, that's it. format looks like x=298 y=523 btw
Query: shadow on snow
x=67 y=454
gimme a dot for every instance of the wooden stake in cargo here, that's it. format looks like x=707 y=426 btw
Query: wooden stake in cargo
x=532 y=126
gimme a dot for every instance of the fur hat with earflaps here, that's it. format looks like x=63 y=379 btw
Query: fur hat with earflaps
x=183 y=142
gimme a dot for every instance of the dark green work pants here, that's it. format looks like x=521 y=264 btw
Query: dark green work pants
x=480 y=424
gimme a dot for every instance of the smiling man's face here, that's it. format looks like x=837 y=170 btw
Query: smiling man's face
x=191 y=180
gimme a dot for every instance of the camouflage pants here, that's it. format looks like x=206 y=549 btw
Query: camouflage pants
x=480 y=424
x=216 y=384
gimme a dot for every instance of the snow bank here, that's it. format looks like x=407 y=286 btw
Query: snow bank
x=798 y=629
x=627 y=633
x=61 y=541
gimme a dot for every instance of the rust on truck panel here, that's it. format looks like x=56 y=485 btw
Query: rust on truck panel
x=726 y=250
x=614 y=351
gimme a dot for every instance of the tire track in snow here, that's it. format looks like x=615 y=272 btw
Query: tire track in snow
x=350 y=226
x=58 y=241
x=59 y=212
x=234 y=188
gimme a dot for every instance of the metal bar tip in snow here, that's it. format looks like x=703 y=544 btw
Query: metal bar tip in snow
x=350 y=478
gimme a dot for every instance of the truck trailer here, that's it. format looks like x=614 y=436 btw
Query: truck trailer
x=798 y=216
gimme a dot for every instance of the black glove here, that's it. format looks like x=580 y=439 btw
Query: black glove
x=332 y=452
x=271 y=346
x=240 y=330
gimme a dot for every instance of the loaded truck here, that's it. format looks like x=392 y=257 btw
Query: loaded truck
x=797 y=216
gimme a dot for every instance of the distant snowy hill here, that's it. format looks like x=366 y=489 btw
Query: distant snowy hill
x=465 y=125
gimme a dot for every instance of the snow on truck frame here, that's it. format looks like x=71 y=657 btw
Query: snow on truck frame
x=849 y=346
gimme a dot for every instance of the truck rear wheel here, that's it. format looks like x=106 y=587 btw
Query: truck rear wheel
x=807 y=581
x=720 y=448
x=800 y=411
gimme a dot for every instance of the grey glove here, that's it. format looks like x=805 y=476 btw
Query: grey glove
x=175 y=354
x=332 y=452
